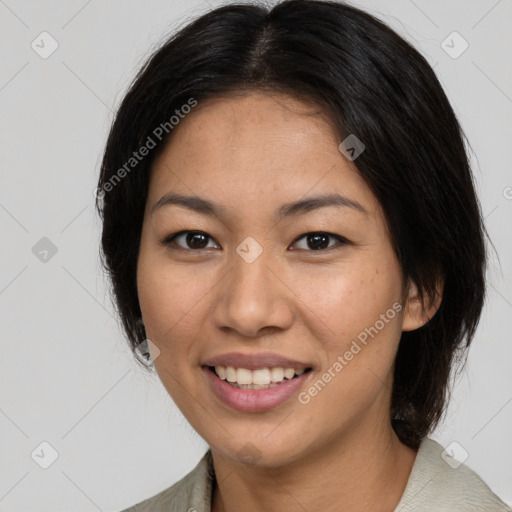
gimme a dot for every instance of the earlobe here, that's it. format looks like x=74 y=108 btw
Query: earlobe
x=416 y=315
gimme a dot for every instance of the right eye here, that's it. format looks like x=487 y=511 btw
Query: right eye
x=196 y=240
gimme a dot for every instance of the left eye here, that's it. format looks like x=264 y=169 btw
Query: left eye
x=320 y=240
x=197 y=240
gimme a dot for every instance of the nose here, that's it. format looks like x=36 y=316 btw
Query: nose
x=253 y=298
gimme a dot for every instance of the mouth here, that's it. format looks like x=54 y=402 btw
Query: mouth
x=264 y=378
x=253 y=397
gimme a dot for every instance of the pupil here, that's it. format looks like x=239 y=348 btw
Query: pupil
x=192 y=236
x=316 y=237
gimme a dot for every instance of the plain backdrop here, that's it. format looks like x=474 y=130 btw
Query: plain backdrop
x=68 y=378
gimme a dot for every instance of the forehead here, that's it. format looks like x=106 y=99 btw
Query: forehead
x=255 y=121
x=256 y=147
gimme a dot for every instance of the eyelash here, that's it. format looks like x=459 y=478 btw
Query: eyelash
x=170 y=243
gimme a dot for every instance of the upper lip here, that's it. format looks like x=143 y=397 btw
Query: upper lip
x=255 y=361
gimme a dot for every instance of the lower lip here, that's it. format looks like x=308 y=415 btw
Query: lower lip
x=254 y=400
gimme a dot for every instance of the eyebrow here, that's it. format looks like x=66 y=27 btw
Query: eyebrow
x=207 y=207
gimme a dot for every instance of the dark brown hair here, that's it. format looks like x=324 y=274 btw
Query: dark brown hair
x=373 y=84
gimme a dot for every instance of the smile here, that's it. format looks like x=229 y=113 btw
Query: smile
x=255 y=390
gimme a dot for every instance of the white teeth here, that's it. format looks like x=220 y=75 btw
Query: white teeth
x=260 y=377
x=289 y=373
x=230 y=374
x=243 y=376
x=221 y=371
x=277 y=374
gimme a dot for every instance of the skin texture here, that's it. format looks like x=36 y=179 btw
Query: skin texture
x=250 y=154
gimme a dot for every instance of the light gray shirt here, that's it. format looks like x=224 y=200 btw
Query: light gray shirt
x=434 y=485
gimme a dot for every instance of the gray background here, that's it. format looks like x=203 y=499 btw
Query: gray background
x=67 y=375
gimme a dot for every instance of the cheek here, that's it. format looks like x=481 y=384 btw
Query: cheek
x=170 y=301
x=344 y=301
x=169 y=297
x=371 y=321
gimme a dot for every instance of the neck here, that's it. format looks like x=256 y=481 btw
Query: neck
x=364 y=470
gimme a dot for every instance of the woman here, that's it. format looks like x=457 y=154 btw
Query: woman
x=287 y=206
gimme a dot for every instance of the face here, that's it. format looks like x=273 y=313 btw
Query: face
x=312 y=284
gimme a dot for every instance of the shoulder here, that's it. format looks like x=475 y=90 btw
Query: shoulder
x=438 y=482
x=191 y=493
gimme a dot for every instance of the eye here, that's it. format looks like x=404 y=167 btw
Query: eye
x=193 y=239
x=318 y=240
x=198 y=240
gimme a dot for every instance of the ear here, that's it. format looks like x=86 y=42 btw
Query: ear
x=415 y=315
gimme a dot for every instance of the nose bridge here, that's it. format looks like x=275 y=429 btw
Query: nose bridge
x=252 y=297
